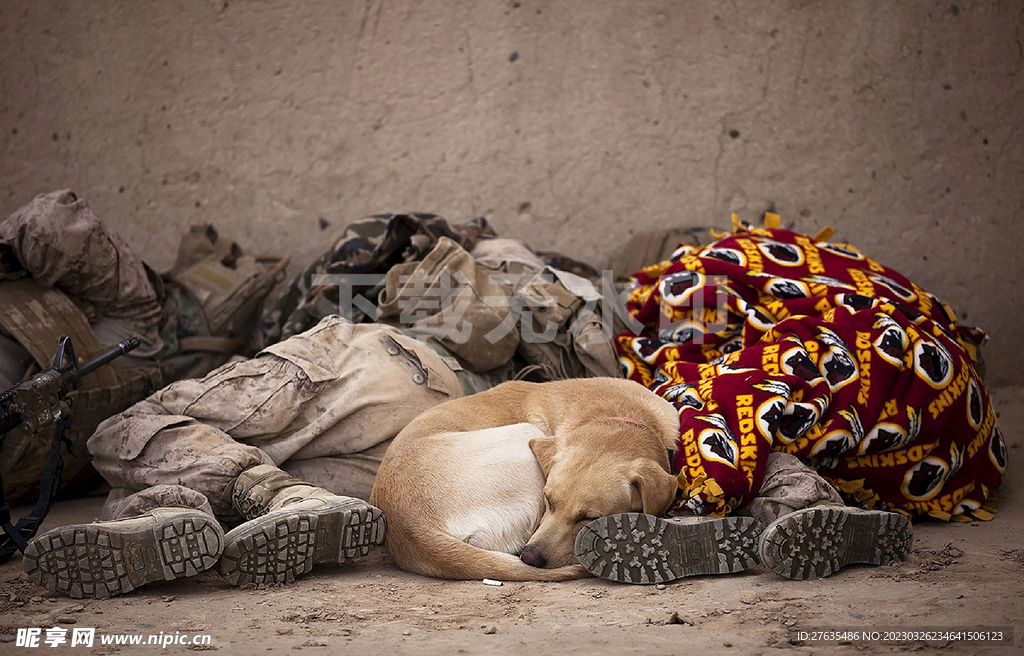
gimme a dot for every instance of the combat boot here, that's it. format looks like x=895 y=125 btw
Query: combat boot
x=109 y=558
x=292 y=526
x=817 y=541
x=639 y=548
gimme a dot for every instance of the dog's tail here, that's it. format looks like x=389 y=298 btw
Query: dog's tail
x=435 y=553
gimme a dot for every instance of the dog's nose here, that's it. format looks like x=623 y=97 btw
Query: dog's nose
x=531 y=555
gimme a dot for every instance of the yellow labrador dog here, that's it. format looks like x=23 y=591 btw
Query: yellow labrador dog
x=499 y=484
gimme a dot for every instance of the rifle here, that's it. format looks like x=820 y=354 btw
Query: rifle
x=33 y=405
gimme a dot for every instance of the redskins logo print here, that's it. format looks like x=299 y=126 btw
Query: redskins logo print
x=852 y=417
x=677 y=288
x=997 y=449
x=829 y=448
x=924 y=480
x=831 y=282
x=947 y=312
x=648 y=348
x=896 y=288
x=683 y=396
x=975 y=409
x=717 y=445
x=769 y=417
x=730 y=255
x=844 y=251
x=956 y=460
x=796 y=420
x=734 y=344
x=627 y=367
x=856 y=302
x=756 y=316
x=780 y=253
x=913 y=314
x=684 y=332
x=933 y=364
x=966 y=507
x=832 y=339
x=681 y=252
x=784 y=288
x=891 y=345
x=839 y=368
x=883 y=437
x=796 y=362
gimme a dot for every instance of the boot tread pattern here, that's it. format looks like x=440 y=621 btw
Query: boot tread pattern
x=283 y=545
x=817 y=542
x=98 y=560
x=640 y=548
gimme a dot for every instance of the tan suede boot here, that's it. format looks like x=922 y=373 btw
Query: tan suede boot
x=292 y=526
x=103 y=559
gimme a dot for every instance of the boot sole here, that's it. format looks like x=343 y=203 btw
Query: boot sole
x=640 y=548
x=100 y=561
x=817 y=542
x=283 y=545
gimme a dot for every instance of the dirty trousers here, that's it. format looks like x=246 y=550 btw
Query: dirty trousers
x=789 y=485
x=322 y=405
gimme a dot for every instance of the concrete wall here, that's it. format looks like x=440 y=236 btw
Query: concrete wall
x=569 y=124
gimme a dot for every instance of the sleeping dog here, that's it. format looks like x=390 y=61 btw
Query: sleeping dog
x=499 y=484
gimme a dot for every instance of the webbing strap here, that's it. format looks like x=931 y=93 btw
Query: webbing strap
x=18 y=535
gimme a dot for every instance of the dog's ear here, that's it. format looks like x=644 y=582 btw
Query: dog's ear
x=544 y=449
x=657 y=487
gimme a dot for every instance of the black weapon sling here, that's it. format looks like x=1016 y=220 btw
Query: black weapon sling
x=18 y=535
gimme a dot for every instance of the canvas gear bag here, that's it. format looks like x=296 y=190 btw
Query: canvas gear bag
x=563 y=332
x=215 y=293
x=370 y=245
x=448 y=297
x=485 y=315
x=36 y=317
x=227 y=284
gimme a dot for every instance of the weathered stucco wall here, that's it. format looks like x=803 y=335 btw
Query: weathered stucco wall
x=569 y=124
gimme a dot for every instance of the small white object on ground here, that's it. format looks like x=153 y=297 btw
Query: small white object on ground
x=491 y=582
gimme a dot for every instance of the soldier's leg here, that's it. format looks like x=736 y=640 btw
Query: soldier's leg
x=292 y=526
x=807 y=531
x=144 y=447
x=641 y=548
x=373 y=381
x=811 y=533
x=161 y=533
x=379 y=380
x=336 y=390
x=169 y=473
x=350 y=475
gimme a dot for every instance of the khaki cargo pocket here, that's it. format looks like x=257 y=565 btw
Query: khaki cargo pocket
x=261 y=396
x=124 y=436
x=425 y=367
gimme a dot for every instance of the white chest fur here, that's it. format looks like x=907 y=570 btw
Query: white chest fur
x=498 y=493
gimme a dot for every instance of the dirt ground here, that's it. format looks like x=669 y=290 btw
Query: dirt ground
x=958 y=575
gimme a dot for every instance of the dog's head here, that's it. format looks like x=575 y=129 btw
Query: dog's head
x=604 y=467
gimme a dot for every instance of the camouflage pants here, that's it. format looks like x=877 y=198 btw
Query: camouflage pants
x=322 y=405
x=789 y=485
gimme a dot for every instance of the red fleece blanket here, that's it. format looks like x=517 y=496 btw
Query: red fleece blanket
x=768 y=339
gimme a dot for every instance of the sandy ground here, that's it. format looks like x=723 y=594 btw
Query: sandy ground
x=958 y=575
